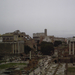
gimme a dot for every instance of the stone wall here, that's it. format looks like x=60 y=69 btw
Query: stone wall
x=6 y=48
x=11 y=48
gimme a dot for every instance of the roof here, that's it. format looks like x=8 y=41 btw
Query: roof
x=6 y=35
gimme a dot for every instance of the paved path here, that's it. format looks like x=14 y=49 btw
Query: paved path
x=61 y=69
x=42 y=65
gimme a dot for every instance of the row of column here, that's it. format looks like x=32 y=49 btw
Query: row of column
x=16 y=47
x=71 y=48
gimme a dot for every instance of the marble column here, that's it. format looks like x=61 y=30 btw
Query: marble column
x=13 y=47
x=18 y=48
x=69 y=48
x=73 y=49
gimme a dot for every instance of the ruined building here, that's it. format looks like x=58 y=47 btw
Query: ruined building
x=15 y=40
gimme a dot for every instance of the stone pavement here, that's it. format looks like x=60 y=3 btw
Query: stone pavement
x=61 y=69
x=52 y=69
x=42 y=65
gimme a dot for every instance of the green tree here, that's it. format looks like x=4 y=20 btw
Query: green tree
x=47 y=48
x=57 y=43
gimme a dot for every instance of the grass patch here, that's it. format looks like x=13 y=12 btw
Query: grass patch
x=71 y=69
x=3 y=66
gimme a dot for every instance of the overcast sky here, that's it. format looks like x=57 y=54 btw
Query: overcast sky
x=32 y=16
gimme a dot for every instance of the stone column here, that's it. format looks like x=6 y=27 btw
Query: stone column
x=73 y=49
x=36 y=47
x=69 y=48
x=18 y=48
x=13 y=48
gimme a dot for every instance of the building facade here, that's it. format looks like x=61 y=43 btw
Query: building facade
x=71 y=43
x=47 y=39
x=0 y=39
x=37 y=36
x=59 y=39
x=16 y=39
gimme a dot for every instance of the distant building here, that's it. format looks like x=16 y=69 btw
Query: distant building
x=37 y=36
x=43 y=37
x=59 y=39
x=47 y=39
x=45 y=32
x=16 y=39
x=52 y=38
x=14 y=36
